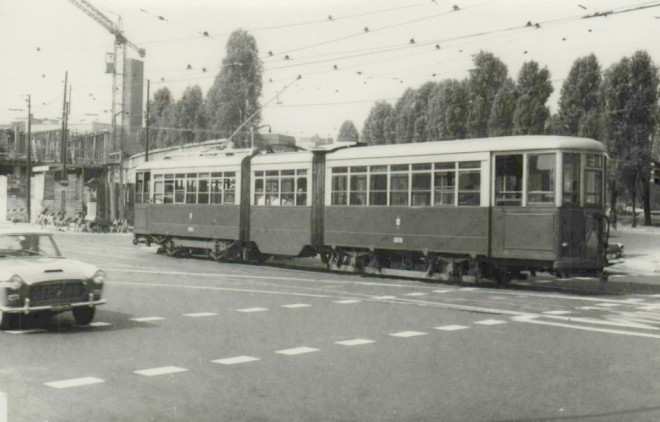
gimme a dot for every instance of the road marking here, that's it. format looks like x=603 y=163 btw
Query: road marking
x=649 y=308
x=634 y=300
x=296 y=305
x=354 y=342
x=96 y=324
x=147 y=319
x=608 y=305
x=490 y=322
x=235 y=360
x=451 y=327
x=383 y=297
x=442 y=291
x=75 y=382
x=297 y=351
x=347 y=301
x=248 y=310
x=557 y=312
x=496 y=297
x=160 y=371
x=200 y=314
x=406 y=334
x=468 y=289
x=31 y=331
x=415 y=294
x=590 y=308
x=532 y=320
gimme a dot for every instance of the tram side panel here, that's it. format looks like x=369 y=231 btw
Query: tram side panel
x=524 y=233
x=281 y=230
x=456 y=231
x=195 y=221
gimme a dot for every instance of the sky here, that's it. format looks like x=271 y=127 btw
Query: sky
x=379 y=48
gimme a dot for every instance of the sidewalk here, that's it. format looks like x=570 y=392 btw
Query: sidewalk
x=642 y=249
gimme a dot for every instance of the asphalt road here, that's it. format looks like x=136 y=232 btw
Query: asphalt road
x=195 y=340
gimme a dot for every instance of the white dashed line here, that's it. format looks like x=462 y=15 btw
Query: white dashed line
x=354 y=342
x=451 y=327
x=557 y=312
x=99 y=324
x=415 y=294
x=32 y=331
x=160 y=371
x=76 y=382
x=147 y=319
x=608 y=305
x=248 y=310
x=590 y=308
x=235 y=360
x=406 y=334
x=442 y=291
x=200 y=314
x=468 y=289
x=347 y=301
x=296 y=305
x=297 y=351
x=490 y=322
x=383 y=297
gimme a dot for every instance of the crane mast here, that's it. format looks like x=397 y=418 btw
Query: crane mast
x=118 y=66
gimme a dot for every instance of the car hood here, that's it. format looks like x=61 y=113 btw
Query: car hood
x=38 y=269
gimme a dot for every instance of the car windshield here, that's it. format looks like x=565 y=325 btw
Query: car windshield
x=24 y=245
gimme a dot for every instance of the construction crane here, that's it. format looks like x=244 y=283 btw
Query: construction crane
x=117 y=70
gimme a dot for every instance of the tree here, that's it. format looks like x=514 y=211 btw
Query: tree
x=500 y=122
x=579 y=94
x=191 y=116
x=534 y=88
x=378 y=128
x=485 y=79
x=405 y=116
x=630 y=96
x=348 y=132
x=234 y=96
x=168 y=123
x=162 y=100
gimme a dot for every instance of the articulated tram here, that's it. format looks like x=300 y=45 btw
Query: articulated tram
x=488 y=208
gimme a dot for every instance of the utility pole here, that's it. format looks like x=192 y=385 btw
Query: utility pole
x=146 y=147
x=29 y=158
x=64 y=129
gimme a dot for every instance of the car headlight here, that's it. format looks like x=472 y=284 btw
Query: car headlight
x=98 y=277
x=15 y=282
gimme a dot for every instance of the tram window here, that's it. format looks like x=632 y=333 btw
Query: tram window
x=444 y=182
x=288 y=189
x=399 y=189
x=259 y=198
x=203 y=193
x=158 y=192
x=571 y=176
x=508 y=180
x=339 y=189
x=421 y=189
x=469 y=183
x=272 y=189
x=301 y=189
x=191 y=191
x=302 y=172
x=179 y=191
x=229 y=188
x=541 y=179
x=139 y=182
x=147 y=186
x=593 y=180
x=216 y=189
x=358 y=188
x=168 y=191
x=378 y=186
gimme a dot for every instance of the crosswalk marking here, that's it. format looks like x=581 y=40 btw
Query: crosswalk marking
x=608 y=305
x=75 y=382
x=451 y=327
x=383 y=297
x=557 y=312
x=354 y=342
x=347 y=301
x=99 y=324
x=490 y=322
x=200 y=314
x=147 y=319
x=406 y=334
x=442 y=291
x=235 y=360
x=415 y=294
x=30 y=331
x=297 y=351
x=248 y=310
x=160 y=371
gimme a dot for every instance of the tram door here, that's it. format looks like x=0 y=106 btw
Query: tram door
x=142 y=199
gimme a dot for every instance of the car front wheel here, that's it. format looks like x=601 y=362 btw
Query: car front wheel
x=83 y=315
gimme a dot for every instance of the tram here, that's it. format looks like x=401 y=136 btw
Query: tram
x=486 y=208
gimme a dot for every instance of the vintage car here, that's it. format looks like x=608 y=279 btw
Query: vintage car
x=36 y=279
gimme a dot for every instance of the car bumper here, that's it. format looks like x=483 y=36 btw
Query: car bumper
x=26 y=308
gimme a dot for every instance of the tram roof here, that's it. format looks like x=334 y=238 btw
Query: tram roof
x=183 y=162
x=462 y=146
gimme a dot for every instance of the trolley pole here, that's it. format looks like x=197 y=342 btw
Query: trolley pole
x=28 y=165
x=64 y=113
x=146 y=146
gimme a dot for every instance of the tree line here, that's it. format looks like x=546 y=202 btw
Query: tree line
x=617 y=106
